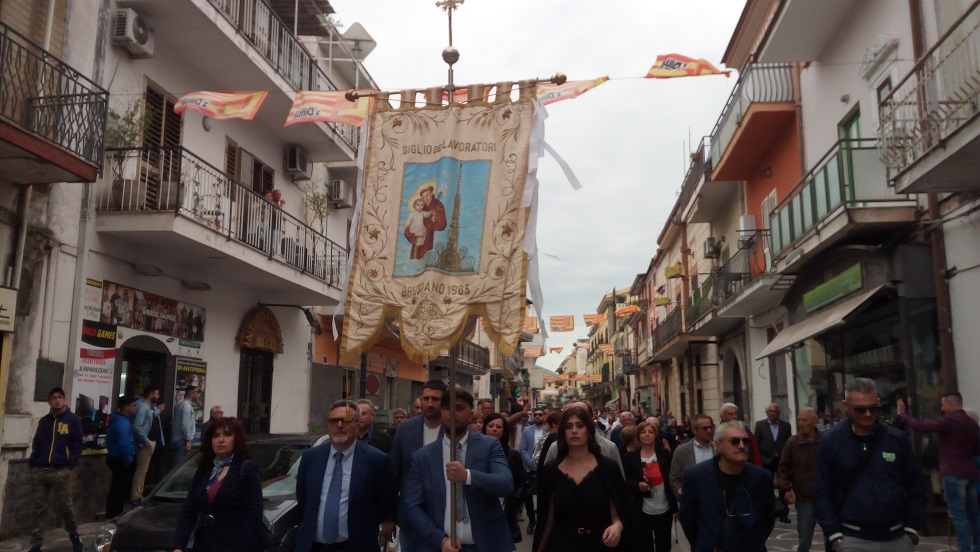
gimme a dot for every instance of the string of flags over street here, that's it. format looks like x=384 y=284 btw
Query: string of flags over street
x=333 y=106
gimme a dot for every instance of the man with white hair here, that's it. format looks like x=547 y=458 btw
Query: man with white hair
x=796 y=467
x=728 y=413
x=727 y=503
x=626 y=419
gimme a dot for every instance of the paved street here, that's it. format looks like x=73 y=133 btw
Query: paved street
x=783 y=539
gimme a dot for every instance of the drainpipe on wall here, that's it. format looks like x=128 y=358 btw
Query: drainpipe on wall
x=937 y=242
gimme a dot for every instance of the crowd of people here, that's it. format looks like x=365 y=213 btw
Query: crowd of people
x=463 y=476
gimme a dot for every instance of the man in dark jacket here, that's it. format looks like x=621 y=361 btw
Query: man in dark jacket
x=55 y=451
x=959 y=444
x=867 y=489
x=796 y=466
x=727 y=504
x=367 y=432
x=120 y=453
x=771 y=435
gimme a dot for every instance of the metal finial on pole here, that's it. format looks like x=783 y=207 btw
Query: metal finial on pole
x=450 y=55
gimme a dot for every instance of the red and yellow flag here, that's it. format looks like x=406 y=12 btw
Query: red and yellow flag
x=606 y=348
x=329 y=106
x=531 y=324
x=581 y=377
x=548 y=377
x=548 y=93
x=561 y=323
x=595 y=378
x=675 y=65
x=555 y=350
x=627 y=310
x=532 y=352
x=593 y=319
x=222 y=105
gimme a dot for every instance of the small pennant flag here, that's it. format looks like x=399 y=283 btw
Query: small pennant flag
x=548 y=377
x=627 y=310
x=581 y=377
x=555 y=350
x=595 y=378
x=593 y=319
x=532 y=352
x=329 y=106
x=561 y=323
x=675 y=65
x=548 y=93
x=222 y=105
x=531 y=324
x=606 y=348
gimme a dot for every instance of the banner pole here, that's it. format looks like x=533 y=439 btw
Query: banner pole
x=453 y=538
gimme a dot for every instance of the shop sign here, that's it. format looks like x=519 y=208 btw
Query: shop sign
x=8 y=306
x=191 y=372
x=94 y=373
x=833 y=289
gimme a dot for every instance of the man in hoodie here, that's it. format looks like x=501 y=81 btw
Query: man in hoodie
x=55 y=451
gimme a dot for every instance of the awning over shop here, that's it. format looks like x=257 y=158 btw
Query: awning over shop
x=817 y=324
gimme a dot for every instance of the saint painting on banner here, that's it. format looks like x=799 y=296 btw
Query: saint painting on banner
x=441 y=225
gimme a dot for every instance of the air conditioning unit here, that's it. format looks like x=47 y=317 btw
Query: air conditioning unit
x=712 y=248
x=341 y=194
x=298 y=163
x=132 y=33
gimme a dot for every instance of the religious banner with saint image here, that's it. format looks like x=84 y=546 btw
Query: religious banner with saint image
x=441 y=225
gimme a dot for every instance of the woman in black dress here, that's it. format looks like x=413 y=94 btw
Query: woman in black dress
x=224 y=500
x=496 y=426
x=573 y=489
x=647 y=469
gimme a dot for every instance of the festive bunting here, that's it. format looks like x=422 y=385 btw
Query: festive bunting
x=329 y=106
x=561 y=323
x=593 y=319
x=550 y=93
x=555 y=350
x=532 y=352
x=531 y=324
x=581 y=377
x=676 y=65
x=595 y=378
x=548 y=377
x=222 y=105
x=440 y=226
x=627 y=310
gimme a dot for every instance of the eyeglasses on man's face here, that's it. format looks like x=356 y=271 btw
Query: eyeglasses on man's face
x=338 y=421
x=873 y=408
x=734 y=441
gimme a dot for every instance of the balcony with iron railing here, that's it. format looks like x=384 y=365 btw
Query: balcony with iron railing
x=761 y=104
x=930 y=133
x=142 y=182
x=52 y=117
x=668 y=336
x=471 y=359
x=630 y=364
x=746 y=283
x=846 y=193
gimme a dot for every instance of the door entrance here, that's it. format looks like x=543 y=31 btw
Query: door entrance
x=255 y=390
x=140 y=368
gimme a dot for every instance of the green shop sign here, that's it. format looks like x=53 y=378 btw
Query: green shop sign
x=833 y=289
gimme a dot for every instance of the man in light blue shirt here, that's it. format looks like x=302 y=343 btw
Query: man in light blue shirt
x=184 y=424
x=146 y=439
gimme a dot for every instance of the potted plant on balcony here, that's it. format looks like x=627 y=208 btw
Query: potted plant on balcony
x=123 y=130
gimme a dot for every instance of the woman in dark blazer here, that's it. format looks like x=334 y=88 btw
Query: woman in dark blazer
x=496 y=426
x=652 y=502
x=224 y=501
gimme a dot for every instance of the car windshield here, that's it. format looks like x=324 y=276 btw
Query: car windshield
x=278 y=464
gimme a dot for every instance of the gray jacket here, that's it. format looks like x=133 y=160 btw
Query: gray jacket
x=683 y=458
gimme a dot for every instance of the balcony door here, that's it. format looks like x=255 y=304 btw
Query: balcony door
x=849 y=131
x=159 y=175
x=255 y=390
x=250 y=211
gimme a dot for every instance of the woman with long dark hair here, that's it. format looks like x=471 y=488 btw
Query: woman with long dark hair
x=224 y=500
x=647 y=470
x=581 y=494
x=496 y=426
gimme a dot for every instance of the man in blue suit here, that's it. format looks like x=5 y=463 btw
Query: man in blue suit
x=481 y=476
x=345 y=490
x=413 y=434
x=727 y=504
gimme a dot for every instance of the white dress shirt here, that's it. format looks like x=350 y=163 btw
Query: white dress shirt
x=344 y=493
x=464 y=531
x=703 y=452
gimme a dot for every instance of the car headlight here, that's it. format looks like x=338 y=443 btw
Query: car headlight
x=103 y=538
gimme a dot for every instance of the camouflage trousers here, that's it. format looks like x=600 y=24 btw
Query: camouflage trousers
x=45 y=482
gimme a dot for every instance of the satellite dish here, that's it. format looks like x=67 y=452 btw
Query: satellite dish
x=359 y=41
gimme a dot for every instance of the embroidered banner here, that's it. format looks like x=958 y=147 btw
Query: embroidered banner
x=440 y=226
x=222 y=105
x=329 y=106
x=675 y=65
x=550 y=93
x=561 y=323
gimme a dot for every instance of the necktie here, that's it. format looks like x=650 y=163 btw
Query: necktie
x=461 y=514
x=330 y=525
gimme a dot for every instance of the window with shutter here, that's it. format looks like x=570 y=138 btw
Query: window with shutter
x=160 y=158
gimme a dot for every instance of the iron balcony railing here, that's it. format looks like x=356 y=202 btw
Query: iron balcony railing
x=153 y=180
x=700 y=166
x=937 y=98
x=759 y=83
x=667 y=329
x=468 y=354
x=849 y=175
x=46 y=97
x=702 y=302
x=733 y=274
x=630 y=364
x=274 y=40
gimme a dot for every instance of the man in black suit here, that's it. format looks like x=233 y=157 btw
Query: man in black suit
x=772 y=434
x=366 y=433
x=345 y=490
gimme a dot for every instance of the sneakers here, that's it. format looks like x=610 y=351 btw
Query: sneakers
x=76 y=542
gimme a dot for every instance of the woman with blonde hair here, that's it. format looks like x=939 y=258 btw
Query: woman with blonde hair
x=653 y=504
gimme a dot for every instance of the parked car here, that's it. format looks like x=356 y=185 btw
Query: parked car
x=150 y=527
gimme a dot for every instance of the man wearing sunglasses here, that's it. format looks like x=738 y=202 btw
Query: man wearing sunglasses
x=695 y=451
x=867 y=489
x=727 y=504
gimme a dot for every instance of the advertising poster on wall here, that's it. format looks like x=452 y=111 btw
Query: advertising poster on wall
x=92 y=383
x=149 y=312
x=192 y=372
